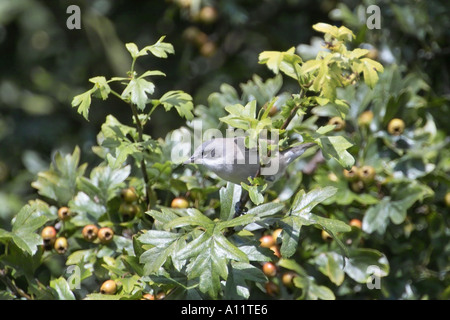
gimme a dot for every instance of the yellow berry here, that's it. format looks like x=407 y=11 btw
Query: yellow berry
x=64 y=213
x=61 y=245
x=108 y=287
x=396 y=126
x=338 y=122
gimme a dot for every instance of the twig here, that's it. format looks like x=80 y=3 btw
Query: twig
x=143 y=166
x=12 y=286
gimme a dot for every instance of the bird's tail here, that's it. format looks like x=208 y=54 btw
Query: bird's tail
x=293 y=153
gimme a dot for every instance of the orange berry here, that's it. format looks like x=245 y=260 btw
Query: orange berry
x=90 y=232
x=267 y=241
x=105 y=235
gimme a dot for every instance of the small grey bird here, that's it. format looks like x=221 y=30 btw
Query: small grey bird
x=232 y=161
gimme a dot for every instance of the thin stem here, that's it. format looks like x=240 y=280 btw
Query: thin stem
x=143 y=166
x=12 y=286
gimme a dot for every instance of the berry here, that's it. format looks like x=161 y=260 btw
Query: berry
x=208 y=14
x=180 y=203
x=128 y=210
x=64 y=214
x=108 y=287
x=365 y=118
x=272 y=289
x=276 y=233
x=366 y=174
x=352 y=174
x=447 y=199
x=267 y=241
x=288 y=278
x=357 y=186
x=129 y=195
x=396 y=126
x=48 y=235
x=276 y=250
x=208 y=49
x=161 y=295
x=356 y=223
x=326 y=236
x=338 y=122
x=61 y=245
x=269 y=269
x=105 y=235
x=90 y=232
x=148 y=296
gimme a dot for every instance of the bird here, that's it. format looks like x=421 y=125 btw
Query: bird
x=229 y=159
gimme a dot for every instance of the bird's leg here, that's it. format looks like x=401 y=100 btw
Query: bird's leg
x=239 y=207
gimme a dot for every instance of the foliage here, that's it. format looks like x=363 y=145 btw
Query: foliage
x=205 y=251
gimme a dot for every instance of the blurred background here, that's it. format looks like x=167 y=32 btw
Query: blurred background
x=43 y=64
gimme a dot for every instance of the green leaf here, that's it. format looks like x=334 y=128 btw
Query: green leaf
x=236 y=286
x=101 y=86
x=370 y=70
x=165 y=245
x=284 y=61
x=330 y=264
x=181 y=101
x=160 y=49
x=59 y=182
x=61 y=289
x=83 y=102
x=336 y=147
x=228 y=198
x=132 y=49
x=137 y=90
x=361 y=263
x=300 y=214
x=27 y=221
x=255 y=192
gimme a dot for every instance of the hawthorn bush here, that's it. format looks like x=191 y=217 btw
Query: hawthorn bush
x=362 y=215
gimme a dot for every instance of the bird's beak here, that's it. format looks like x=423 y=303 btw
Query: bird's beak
x=188 y=161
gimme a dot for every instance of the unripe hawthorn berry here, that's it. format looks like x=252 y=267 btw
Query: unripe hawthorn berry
x=128 y=210
x=365 y=118
x=61 y=245
x=129 y=195
x=179 y=203
x=90 y=232
x=396 y=126
x=105 y=235
x=326 y=236
x=366 y=174
x=447 y=199
x=267 y=241
x=338 y=122
x=63 y=213
x=352 y=174
x=269 y=269
x=108 y=287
